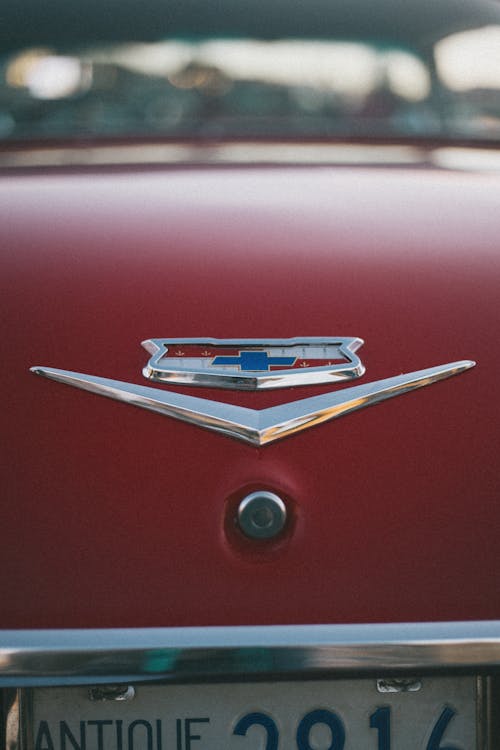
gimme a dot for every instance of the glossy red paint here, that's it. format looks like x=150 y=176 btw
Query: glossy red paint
x=118 y=517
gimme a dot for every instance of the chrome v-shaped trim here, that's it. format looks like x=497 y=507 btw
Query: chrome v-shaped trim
x=257 y=427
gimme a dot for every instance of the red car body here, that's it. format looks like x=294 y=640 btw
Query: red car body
x=122 y=555
x=122 y=518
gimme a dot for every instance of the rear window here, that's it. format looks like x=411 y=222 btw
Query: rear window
x=346 y=79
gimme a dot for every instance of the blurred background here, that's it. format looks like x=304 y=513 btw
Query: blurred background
x=156 y=70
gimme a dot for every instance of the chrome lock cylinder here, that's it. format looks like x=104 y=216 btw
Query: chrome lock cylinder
x=262 y=515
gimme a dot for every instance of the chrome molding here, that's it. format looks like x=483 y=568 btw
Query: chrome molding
x=165 y=367
x=64 y=657
x=257 y=427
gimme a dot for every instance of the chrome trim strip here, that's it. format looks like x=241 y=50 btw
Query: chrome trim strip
x=220 y=377
x=245 y=152
x=257 y=427
x=279 y=421
x=232 y=420
x=49 y=657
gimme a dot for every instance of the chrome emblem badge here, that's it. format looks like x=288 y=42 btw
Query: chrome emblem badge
x=253 y=364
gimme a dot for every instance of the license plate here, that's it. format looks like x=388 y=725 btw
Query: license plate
x=431 y=713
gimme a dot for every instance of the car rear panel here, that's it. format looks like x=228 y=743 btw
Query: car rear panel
x=116 y=517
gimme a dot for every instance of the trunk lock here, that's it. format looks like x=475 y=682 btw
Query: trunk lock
x=262 y=515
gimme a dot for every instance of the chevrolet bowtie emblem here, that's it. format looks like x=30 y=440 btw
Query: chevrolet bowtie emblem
x=253 y=364
x=249 y=363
